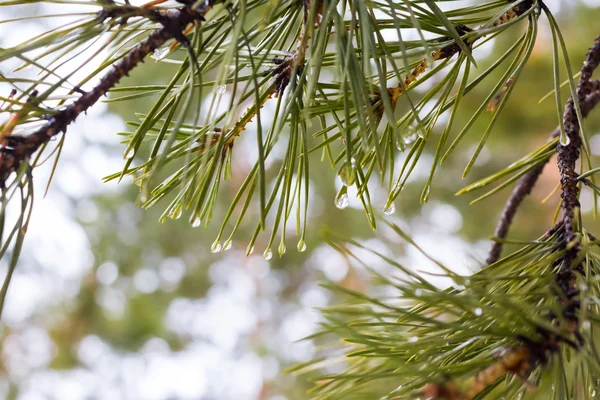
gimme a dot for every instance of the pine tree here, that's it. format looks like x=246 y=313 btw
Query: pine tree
x=346 y=83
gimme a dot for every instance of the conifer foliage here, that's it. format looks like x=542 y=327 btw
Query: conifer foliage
x=339 y=77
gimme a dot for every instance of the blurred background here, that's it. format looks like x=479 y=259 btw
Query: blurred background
x=108 y=303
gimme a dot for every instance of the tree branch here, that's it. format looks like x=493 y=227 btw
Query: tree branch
x=522 y=359
x=526 y=183
x=15 y=149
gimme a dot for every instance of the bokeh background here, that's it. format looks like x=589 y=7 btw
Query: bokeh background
x=108 y=303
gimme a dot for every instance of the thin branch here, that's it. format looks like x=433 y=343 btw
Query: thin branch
x=16 y=148
x=522 y=359
x=526 y=183
x=448 y=51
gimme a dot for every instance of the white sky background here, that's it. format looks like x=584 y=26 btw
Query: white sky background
x=219 y=363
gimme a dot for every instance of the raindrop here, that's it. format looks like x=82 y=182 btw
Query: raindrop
x=129 y=153
x=227 y=245
x=221 y=89
x=268 y=254
x=418 y=292
x=301 y=246
x=586 y=325
x=389 y=209
x=159 y=54
x=216 y=247
x=250 y=249
x=413 y=339
x=175 y=212
x=137 y=177
x=353 y=161
x=564 y=140
x=400 y=143
x=478 y=311
x=341 y=199
x=410 y=139
x=196 y=223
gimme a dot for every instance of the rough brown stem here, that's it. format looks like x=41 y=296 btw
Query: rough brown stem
x=522 y=359
x=15 y=148
x=526 y=183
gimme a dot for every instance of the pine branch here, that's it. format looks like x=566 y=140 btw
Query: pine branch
x=15 y=148
x=452 y=49
x=521 y=360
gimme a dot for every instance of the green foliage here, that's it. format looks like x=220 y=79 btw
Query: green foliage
x=343 y=84
x=328 y=71
x=418 y=333
x=358 y=60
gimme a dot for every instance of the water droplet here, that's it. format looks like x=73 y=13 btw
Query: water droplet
x=410 y=139
x=216 y=247
x=564 y=140
x=159 y=54
x=129 y=153
x=353 y=161
x=250 y=249
x=389 y=209
x=196 y=222
x=268 y=254
x=400 y=143
x=341 y=199
x=137 y=177
x=586 y=325
x=413 y=339
x=228 y=244
x=419 y=292
x=282 y=249
x=301 y=246
x=478 y=311
x=347 y=174
x=175 y=212
x=221 y=89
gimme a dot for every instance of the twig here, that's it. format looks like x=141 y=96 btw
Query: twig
x=567 y=157
x=522 y=359
x=447 y=52
x=526 y=183
x=16 y=148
